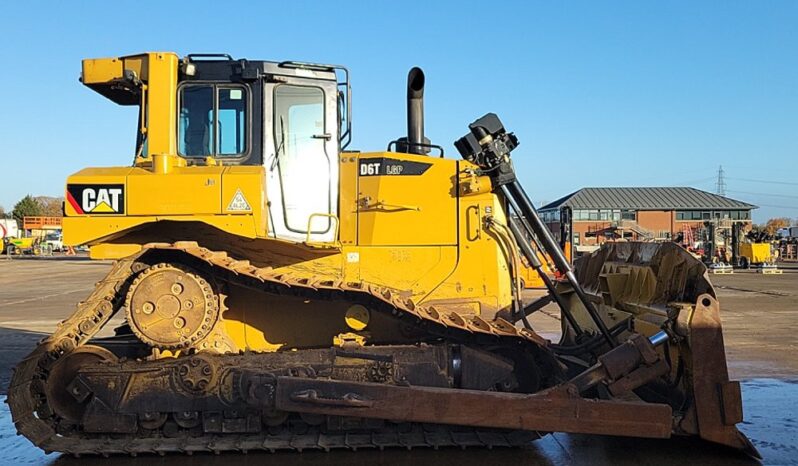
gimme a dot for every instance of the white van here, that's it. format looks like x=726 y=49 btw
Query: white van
x=55 y=240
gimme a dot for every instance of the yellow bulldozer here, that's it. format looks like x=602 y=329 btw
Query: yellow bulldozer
x=276 y=291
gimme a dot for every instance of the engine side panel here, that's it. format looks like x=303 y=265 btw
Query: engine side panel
x=405 y=223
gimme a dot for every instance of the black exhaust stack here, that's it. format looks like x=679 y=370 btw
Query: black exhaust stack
x=416 y=143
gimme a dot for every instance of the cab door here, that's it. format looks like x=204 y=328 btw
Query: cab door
x=302 y=162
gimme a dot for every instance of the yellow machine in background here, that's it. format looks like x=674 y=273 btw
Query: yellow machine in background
x=755 y=253
x=530 y=277
x=21 y=245
x=28 y=245
x=282 y=292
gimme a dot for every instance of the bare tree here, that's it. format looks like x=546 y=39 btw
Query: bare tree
x=51 y=206
x=775 y=224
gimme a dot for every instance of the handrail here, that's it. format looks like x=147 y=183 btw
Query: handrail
x=397 y=142
x=345 y=138
x=40 y=221
x=326 y=244
x=195 y=56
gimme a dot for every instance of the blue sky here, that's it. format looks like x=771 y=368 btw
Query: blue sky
x=599 y=93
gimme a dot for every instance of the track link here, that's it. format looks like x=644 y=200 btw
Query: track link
x=34 y=418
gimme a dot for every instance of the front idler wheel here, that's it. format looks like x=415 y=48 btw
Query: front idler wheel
x=65 y=398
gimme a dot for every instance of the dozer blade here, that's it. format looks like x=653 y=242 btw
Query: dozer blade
x=662 y=286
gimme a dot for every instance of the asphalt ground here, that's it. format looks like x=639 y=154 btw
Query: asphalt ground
x=759 y=323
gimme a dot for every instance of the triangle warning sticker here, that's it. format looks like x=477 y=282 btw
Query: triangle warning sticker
x=239 y=203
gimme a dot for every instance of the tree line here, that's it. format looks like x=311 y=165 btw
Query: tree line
x=35 y=206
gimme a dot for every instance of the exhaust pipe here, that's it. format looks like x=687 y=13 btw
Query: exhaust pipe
x=415 y=111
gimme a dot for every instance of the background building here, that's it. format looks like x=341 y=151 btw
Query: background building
x=638 y=214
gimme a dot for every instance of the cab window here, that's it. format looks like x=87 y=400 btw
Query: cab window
x=213 y=121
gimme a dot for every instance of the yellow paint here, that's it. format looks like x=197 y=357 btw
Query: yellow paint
x=401 y=210
x=104 y=70
x=194 y=193
x=348 y=338
x=23 y=243
x=357 y=317
x=103 y=207
x=480 y=281
x=757 y=253
x=348 y=198
x=417 y=270
x=186 y=191
x=162 y=104
x=248 y=336
x=158 y=72
x=530 y=276
x=113 y=251
x=162 y=164
x=421 y=234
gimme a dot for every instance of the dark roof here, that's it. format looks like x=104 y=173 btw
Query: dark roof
x=647 y=199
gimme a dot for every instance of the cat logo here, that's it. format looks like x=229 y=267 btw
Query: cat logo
x=96 y=199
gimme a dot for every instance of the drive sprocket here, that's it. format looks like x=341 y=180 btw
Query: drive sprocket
x=172 y=307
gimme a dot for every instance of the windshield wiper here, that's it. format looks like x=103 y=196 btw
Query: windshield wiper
x=281 y=147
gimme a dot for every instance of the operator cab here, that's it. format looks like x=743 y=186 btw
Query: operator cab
x=292 y=118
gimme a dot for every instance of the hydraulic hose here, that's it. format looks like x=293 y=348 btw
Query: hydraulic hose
x=512 y=250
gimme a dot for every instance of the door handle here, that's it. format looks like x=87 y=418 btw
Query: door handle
x=366 y=205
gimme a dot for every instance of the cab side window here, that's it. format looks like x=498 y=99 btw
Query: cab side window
x=196 y=121
x=213 y=121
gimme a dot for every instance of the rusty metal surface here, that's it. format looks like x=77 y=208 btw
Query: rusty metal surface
x=715 y=414
x=172 y=307
x=559 y=409
x=655 y=273
x=662 y=284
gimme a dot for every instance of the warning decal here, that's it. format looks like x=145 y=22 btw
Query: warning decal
x=239 y=203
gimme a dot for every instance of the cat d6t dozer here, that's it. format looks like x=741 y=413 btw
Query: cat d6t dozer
x=273 y=290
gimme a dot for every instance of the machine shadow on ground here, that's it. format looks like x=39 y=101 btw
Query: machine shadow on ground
x=16 y=345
